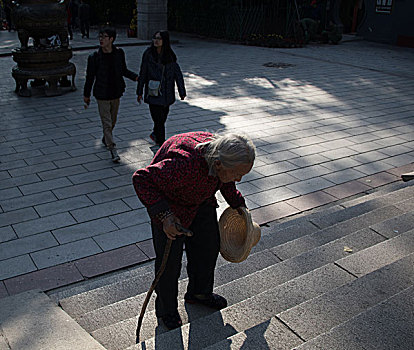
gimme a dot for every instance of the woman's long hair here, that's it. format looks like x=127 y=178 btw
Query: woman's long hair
x=167 y=53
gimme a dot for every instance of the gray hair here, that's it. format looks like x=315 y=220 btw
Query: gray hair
x=230 y=149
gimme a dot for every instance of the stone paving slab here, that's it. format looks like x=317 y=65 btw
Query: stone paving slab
x=46 y=279
x=320 y=119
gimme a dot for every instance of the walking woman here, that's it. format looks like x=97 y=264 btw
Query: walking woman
x=159 y=73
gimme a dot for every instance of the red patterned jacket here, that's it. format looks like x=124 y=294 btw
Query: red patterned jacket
x=177 y=179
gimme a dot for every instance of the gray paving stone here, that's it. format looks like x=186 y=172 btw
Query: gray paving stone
x=271 y=196
x=400 y=160
x=57 y=173
x=7 y=234
x=342 y=176
x=60 y=206
x=309 y=172
x=130 y=218
x=12 y=164
x=66 y=162
x=112 y=194
x=310 y=185
x=123 y=237
x=373 y=168
x=9 y=193
x=44 y=186
x=273 y=181
x=21 y=246
x=16 y=216
x=77 y=190
x=65 y=253
x=28 y=201
x=118 y=181
x=133 y=202
x=84 y=230
x=368 y=330
x=10 y=158
x=92 y=176
x=99 y=210
x=369 y=157
x=16 y=266
x=44 y=224
x=308 y=160
x=51 y=157
x=338 y=153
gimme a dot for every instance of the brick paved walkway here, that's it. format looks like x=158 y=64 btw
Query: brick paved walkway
x=334 y=122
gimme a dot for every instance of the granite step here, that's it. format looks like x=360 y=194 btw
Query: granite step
x=130 y=307
x=388 y=325
x=110 y=311
x=243 y=288
x=382 y=282
x=219 y=325
x=276 y=234
x=350 y=297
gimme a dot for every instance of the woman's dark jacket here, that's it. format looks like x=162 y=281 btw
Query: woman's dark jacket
x=151 y=69
x=107 y=72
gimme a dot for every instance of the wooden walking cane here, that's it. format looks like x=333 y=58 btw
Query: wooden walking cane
x=167 y=248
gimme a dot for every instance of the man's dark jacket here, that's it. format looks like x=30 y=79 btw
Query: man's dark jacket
x=99 y=70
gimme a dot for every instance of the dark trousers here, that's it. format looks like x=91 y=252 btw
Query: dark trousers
x=159 y=116
x=202 y=251
x=84 y=26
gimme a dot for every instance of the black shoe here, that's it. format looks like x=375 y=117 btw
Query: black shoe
x=115 y=157
x=153 y=137
x=172 y=321
x=213 y=300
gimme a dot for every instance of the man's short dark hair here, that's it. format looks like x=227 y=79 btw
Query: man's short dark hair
x=110 y=31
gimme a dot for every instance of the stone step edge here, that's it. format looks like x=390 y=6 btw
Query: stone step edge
x=291 y=223
x=93 y=294
x=58 y=276
x=107 y=288
x=352 y=320
x=261 y=271
x=151 y=315
x=225 y=343
x=263 y=294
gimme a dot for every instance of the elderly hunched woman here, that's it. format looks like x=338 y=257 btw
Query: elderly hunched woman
x=179 y=186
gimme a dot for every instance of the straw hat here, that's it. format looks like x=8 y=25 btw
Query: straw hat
x=238 y=234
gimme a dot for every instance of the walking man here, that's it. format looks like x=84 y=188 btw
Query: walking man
x=105 y=71
x=84 y=17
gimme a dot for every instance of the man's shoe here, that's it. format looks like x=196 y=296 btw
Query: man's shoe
x=115 y=157
x=213 y=300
